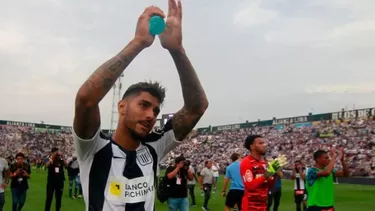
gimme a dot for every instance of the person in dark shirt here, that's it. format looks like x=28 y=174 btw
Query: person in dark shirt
x=55 y=179
x=20 y=173
x=274 y=193
x=177 y=177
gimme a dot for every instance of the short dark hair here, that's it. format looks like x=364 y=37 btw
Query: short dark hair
x=179 y=159
x=206 y=162
x=319 y=153
x=152 y=87
x=55 y=149
x=234 y=156
x=250 y=140
x=20 y=154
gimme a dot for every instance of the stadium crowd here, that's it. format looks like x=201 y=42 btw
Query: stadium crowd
x=356 y=136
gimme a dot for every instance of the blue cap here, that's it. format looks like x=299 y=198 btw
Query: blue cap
x=157 y=25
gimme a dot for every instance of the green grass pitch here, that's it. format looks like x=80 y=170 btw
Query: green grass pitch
x=348 y=197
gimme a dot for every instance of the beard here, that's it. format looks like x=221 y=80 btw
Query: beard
x=136 y=136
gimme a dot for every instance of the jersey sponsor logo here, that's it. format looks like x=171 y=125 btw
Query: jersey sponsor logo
x=136 y=190
x=144 y=157
x=115 y=188
x=300 y=192
x=248 y=177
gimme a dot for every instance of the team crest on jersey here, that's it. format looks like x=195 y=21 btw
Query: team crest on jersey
x=144 y=157
x=248 y=177
x=158 y=130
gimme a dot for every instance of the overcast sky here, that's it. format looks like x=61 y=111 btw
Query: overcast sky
x=255 y=59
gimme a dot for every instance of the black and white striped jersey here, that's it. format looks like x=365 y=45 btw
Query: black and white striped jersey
x=114 y=179
x=299 y=183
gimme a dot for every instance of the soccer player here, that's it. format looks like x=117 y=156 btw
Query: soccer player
x=255 y=175
x=299 y=176
x=320 y=180
x=118 y=172
x=235 y=194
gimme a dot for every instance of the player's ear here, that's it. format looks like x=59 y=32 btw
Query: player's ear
x=121 y=106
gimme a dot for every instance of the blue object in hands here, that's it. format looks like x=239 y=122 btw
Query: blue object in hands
x=156 y=25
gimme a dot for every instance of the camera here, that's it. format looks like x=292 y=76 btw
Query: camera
x=187 y=163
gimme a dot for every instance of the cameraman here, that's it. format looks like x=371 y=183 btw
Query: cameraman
x=55 y=179
x=177 y=177
x=20 y=173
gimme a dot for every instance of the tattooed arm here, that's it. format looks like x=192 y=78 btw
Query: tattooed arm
x=87 y=116
x=195 y=100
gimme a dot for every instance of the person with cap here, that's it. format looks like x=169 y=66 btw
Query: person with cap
x=177 y=177
x=256 y=176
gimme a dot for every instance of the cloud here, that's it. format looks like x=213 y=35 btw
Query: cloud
x=253 y=14
x=343 y=88
x=313 y=24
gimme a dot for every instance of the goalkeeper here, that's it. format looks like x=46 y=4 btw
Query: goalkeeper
x=257 y=178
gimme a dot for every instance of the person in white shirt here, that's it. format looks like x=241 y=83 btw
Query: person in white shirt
x=215 y=171
x=4 y=170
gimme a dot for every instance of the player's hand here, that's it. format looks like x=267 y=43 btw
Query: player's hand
x=3 y=186
x=224 y=193
x=273 y=166
x=17 y=171
x=282 y=160
x=171 y=38
x=333 y=153
x=142 y=33
x=342 y=154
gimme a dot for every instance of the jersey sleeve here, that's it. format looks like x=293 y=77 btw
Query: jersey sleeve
x=248 y=179
x=227 y=173
x=311 y=176
x=163 y=140
x=4 y=164
x=86 y=148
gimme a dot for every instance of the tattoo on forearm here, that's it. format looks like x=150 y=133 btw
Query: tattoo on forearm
x=102 y=80
x=195 y=100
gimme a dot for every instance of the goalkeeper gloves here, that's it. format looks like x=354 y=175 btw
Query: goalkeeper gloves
x=275 y=164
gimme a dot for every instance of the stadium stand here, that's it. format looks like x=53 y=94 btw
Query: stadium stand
x=296 y=137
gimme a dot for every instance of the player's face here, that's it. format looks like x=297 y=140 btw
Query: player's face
x=260 y=146
x=324 y=159
x=138 y=114
x=19 y=159
x=209 y=165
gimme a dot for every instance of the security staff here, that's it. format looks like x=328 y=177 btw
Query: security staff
x=55 y=179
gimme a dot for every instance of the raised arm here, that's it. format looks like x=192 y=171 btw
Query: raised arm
x=345 y=168
x=195 y=100
x=87 y=116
